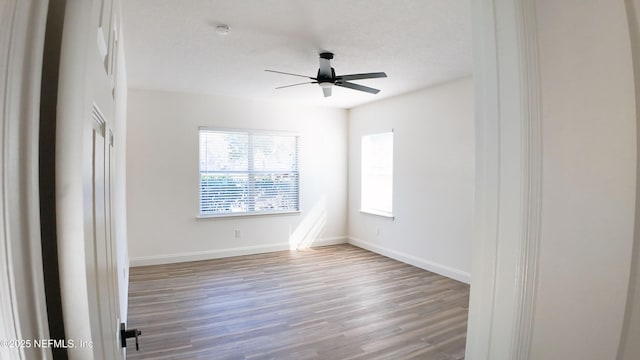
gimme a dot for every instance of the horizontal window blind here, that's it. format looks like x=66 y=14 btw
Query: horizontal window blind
x=248 y=172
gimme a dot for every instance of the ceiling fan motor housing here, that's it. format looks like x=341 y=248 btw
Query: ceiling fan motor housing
x=327 y=79
x=324 y=75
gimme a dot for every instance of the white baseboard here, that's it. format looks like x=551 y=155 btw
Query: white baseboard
x=224 y=253
x=412 y=260
x=334 y=240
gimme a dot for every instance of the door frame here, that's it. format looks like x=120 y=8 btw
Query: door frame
x=507 y=184
x=628 y=349
x=23 y=312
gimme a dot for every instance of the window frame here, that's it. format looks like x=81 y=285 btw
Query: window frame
x=372 y=210
x=249 y=133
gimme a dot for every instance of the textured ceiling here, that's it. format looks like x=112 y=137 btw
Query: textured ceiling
x=173 y=45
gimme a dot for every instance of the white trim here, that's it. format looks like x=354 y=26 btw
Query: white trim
x=246 y=214
x=378 y=213
x=225 y=253
x=205 y=255
x=23 y=313
x=508 y=170
x=440 y=269
x=628 y=349
x=527 y=269
x=332 y=240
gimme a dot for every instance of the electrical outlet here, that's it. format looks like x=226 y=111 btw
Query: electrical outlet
x=237 y=233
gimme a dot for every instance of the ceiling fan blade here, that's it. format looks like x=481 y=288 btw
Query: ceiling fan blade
x=361 y=76
x=357 y=87
x=326 y=91
x=286 y=73
x=304 y=83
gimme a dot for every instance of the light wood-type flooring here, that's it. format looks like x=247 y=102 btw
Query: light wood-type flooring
x=333 y=302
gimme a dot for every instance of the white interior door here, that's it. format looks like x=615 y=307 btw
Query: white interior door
x=87 y=245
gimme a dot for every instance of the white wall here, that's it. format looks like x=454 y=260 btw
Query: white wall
x=588 y=181
x=433 y=178
x=163 y=178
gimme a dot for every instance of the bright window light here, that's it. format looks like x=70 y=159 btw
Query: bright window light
x=377 y=174
x=248 y=172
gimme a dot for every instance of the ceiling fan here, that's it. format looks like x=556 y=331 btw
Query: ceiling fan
x=327 y=78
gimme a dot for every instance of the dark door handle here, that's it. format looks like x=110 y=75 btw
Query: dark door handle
x=125 y=334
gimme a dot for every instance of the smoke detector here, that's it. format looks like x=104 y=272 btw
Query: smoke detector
x=223 y=29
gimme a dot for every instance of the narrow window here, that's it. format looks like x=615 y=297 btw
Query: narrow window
x=248 y=172
x=377 y=174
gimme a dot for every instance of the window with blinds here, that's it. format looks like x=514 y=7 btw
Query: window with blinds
x=377 y=174
x=248 y=172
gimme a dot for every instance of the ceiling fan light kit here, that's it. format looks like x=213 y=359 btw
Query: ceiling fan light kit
x=327 y=78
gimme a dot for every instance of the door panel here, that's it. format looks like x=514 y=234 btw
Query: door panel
x=108 y=319
x=86 y=242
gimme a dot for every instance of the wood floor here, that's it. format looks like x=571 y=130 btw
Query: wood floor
x=333 y=302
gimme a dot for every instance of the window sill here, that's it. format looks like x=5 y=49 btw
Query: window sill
x=239 y=215
x=378 y=213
